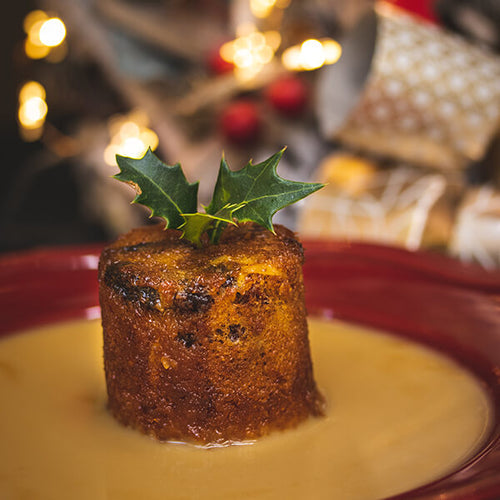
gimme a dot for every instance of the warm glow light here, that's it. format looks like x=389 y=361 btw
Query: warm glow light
x=250 y=53
x=264 y=54
x=32 y=112
x=52 y=32
x=227 y=52
x=243 y=58
x=261 y=8
x=45 y=36
x=291 y=58
x=246 y=74
x=34 y=33
x=34 y=51
x=150 y=138
x=273 y=39
x=311 y=54
x=129 y=129
x=129 y=137
x=133 y=147
x=256 y=39
x=332 y=51
x=31 y=89
x=35 y=16
x=245 y=29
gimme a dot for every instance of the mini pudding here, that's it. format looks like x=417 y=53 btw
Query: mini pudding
x=398 y=415
x=206 y=345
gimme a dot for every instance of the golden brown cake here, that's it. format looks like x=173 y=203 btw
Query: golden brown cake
x=206 y=345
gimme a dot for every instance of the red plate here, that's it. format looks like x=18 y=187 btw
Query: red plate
x=429 y=298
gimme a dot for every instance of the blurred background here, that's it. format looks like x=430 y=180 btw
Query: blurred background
x=396 y=105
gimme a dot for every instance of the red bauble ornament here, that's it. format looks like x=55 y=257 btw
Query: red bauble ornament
x=240 y=122
x=288 y=95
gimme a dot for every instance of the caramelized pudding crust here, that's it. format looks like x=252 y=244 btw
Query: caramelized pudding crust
x=206 y=345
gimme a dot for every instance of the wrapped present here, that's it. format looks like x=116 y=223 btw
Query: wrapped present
x=406 y=89
x=476 y=233
x=401 y=206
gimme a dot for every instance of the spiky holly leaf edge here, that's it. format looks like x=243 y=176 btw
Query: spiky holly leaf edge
x=239 y=196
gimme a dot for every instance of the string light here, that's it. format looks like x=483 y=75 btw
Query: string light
x=31 y=89
x=35 y=51
x=311 y=54
x=263 y=8
x=32 y=110
x=130 y=136
x=44 y=35
x=52 y=32
x=32 y=18
x=251 y=52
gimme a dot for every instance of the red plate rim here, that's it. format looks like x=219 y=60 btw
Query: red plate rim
x=430 y=298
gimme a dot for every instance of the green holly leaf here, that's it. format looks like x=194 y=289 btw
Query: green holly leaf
x=254 y=193
x=197 y=224
x=162 y=188
x=260 y=189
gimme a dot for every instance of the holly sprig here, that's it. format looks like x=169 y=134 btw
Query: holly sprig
x=254 y=193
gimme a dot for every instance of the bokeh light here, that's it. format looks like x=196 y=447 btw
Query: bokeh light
x=130 y=136
x=52 y=32
x=311 y=54
x=44 y=36
x=264 y=8
x=31 y=89
x=251 y=52
x=33 y=17
x=34 y=51
x=32 y=110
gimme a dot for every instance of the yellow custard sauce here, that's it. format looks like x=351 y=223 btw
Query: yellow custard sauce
x=399 y=415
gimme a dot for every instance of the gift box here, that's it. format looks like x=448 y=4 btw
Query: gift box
x=406 y=89
x=364 y=201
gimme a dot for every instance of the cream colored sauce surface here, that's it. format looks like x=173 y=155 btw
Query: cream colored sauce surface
x=398 y=416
